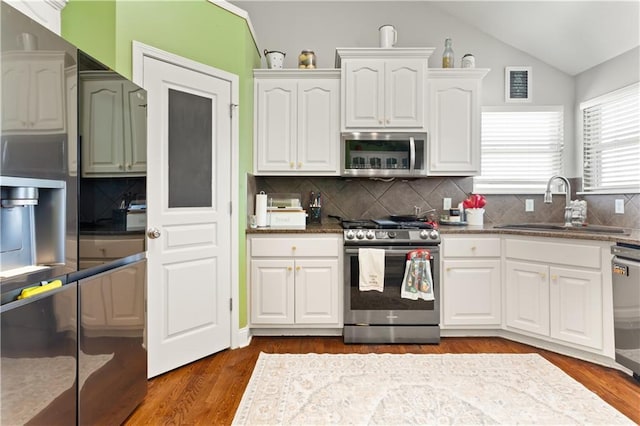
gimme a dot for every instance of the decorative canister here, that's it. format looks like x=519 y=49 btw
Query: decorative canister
x=275 y=59
x=307 y=59
x=468 y=61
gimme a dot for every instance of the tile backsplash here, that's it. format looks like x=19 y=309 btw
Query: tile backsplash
x=355 y=198
x=101 y=196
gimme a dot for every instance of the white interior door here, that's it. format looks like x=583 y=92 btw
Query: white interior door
x=188 y=198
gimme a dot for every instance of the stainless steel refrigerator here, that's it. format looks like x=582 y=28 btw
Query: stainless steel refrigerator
x=72 y=350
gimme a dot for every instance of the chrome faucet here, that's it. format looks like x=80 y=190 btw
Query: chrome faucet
x=567 y=208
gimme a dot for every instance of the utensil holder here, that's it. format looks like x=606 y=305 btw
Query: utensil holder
x=315 y=214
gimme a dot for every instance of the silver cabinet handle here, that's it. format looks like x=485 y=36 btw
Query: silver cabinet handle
x=153 y=233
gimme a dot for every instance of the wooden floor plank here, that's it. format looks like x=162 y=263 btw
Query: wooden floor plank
x=208 y=391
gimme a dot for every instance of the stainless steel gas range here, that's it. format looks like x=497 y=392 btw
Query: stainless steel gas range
x=385 y=316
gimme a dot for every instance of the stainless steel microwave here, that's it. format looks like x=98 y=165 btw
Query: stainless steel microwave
x=383 y=154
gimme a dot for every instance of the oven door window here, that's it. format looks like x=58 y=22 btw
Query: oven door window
x=389 y=299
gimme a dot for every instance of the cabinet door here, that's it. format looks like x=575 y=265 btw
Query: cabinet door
x=272 y=298
x=92 y=312
x=576 y=306
x=471 y=292
x=405 y=93
x=135 y=129
x=33 y=96
x=317 y=289
x=71 y=88
x=527 y=297
x=102 y=127
x=364 y=93
x=276 y=125
x=124 y=297
x=15 y=99
x=47 y=95
x=318 y=135
x=454 y=127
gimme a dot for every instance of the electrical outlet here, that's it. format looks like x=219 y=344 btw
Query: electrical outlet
x=446 y=203
x=528 y=205
x=619 y=206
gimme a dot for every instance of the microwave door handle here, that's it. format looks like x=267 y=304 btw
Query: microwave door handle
x=412 y=153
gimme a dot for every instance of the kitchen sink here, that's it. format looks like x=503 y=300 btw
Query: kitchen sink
x=560 y=227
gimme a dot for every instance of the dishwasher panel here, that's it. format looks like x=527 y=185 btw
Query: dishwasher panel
x=38 y=357
x=626 y=307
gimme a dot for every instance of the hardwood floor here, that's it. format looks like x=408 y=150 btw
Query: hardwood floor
x=208 y=391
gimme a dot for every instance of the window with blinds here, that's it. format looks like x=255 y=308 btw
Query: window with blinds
x=611 y=142
x=521 y=149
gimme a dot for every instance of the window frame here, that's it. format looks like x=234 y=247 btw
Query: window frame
x=599 y=100
x=556 y=186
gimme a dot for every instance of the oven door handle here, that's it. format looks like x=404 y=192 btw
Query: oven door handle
x=412 y=154
x=387 y=253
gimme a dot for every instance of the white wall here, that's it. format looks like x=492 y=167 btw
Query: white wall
x=619 y=72
x=292 y=26
x=614 y=74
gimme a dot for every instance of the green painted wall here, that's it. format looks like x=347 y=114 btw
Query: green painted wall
x=194 y=29
x=90 y=26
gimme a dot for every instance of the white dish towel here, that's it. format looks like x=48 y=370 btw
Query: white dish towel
x=371 y=270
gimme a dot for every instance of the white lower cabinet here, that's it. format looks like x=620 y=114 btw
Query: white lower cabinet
x=295 y=281
x=113 y=299
x=555 y=290
x=471 y=282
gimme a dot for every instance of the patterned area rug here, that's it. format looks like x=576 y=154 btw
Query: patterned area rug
x=29 y=385
x=394 y=389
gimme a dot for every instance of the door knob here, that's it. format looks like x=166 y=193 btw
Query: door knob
x=153 y=233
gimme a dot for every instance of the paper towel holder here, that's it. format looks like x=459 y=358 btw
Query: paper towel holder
x=261 y=210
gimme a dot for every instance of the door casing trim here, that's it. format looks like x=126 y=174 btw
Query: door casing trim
x=140 y=51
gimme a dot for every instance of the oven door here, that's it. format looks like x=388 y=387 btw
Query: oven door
x=387 y=308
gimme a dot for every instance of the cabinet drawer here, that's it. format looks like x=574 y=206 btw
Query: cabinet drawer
x=110 y=248
x=471 y=247
x=285 y=247
x=577 y=254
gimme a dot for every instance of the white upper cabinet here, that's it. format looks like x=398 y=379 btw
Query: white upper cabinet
x=296 y=122
x=41 y=76
x=383 y=88
x=113 y=129
x=454 y=121
x=44 y=12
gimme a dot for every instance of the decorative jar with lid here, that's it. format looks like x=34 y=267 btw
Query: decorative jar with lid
x=307 y=59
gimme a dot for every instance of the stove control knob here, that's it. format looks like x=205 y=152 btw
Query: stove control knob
x=360 y=234
x=350 y=234
x=433 y=234
x=370 y=235
x=391 y=234
x=424 y=234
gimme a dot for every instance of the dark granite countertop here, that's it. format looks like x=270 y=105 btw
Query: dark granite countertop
x=106 y=228
x=334 y=228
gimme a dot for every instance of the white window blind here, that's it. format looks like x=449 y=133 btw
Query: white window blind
x=611 y=141
x=521 y=149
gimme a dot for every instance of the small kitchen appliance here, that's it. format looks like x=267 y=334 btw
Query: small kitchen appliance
x=383 y=154
x=285 y=211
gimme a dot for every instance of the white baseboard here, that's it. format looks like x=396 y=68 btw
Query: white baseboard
x=243 y=338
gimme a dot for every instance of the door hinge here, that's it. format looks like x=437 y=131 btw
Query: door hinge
x=230 y=208
x=231 y=305
x=231 y=108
